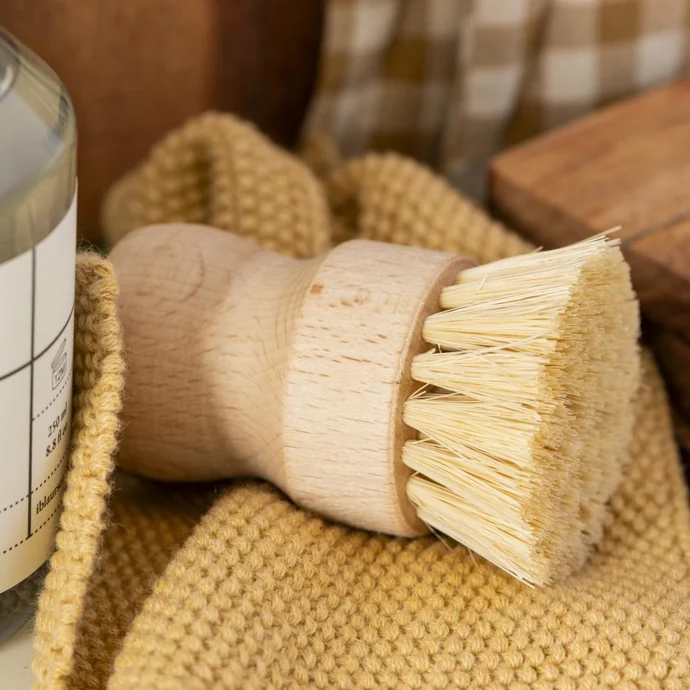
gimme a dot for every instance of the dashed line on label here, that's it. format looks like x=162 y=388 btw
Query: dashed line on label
x=55 y=469
x=59 y=393
x=16 y=503
x=38 y=529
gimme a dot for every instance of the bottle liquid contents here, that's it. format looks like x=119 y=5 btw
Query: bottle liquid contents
x=37 y=268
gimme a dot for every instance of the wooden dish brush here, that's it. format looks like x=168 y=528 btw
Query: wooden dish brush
x=391 y=388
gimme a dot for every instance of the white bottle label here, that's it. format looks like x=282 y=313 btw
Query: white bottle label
x=36 y=345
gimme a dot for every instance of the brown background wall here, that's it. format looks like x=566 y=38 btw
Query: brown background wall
x=137 y=69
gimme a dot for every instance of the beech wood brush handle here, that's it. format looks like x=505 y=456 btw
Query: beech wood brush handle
x=246 y=363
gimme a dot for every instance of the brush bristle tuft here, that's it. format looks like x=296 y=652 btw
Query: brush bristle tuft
x=525 y=415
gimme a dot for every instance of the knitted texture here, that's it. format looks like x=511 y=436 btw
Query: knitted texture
x=194 y=175
x=98 y=382
x=260 y=594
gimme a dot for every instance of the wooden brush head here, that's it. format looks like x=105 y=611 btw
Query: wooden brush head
x=244 y=362
x=388 y=387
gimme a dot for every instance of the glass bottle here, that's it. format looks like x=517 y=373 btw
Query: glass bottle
x=37 y=262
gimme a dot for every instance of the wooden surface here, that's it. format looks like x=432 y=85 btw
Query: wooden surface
x=627 y=165
x=135 y=70
x=242 y=362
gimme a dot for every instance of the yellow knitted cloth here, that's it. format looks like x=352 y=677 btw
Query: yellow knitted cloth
x=257 y=593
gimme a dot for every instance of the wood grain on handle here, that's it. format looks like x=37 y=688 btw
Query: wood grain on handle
x=243 y=362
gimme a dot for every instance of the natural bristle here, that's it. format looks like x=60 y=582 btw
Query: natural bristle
x=525 y=416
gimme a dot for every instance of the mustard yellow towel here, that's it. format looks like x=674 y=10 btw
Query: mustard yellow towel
x=255 y=593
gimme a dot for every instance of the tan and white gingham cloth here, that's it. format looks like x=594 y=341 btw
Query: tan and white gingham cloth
x=450 y=82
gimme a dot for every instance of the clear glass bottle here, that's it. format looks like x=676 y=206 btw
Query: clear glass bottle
x=37 y=258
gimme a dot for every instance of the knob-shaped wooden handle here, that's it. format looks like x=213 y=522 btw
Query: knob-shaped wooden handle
x=246 y=363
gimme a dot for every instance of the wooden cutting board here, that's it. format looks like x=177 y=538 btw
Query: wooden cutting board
x=627 y=165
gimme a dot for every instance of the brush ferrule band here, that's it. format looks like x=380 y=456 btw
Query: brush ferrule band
x=348 y=377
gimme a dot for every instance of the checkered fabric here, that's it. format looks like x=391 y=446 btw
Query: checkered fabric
x=450 y=82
